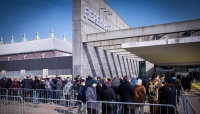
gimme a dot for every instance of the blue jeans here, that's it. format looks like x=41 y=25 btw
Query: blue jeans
x=50 y=94
x=117 y=106
x=36 y=97
x=58 y=95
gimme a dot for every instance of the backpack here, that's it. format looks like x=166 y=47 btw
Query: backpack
x=153 y=91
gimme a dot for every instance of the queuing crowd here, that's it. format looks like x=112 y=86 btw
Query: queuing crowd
x=130 y=89
x=49 y=84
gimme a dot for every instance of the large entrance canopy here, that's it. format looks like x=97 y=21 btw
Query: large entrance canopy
x=182 y=51
x=166 y=44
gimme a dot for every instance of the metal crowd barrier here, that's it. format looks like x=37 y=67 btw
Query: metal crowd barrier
x=39 y=101
x=94 y=107
x=11 y=105
x=54 y=106
x=3 y=91
x=188 y=108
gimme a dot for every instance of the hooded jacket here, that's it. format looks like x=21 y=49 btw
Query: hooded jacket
x=107 y=93
x=91 y=96
x=81 y=93
x=67 y=88
x=58 y=85
x=114 y=85
x=140 y=94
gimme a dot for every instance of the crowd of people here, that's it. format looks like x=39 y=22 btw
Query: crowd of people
x=42 y=85
x=130 y=89
x=186 y=82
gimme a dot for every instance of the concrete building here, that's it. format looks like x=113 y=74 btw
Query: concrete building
x=97 y=16
x=49 y=56
x=105 y=45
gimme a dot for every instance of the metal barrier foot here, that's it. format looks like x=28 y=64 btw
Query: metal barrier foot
x=5 y=103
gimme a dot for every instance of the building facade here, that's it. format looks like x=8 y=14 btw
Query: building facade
x=91 y=17
x=49 y=56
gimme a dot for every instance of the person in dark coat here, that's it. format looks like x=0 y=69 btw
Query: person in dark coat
x=3 y=86
x=177 y=85
x=58 y=88
x=114 y=85
x=3 y=82
x=27 y=85
x=107 y=94
x=81 y=94
x=183 y=82
x=126 y=92
x=37 y=85
x=188 y=81
x=168 y=96
x=88 y=81
x=99 y=89
x=9 y=85
x=54 y=80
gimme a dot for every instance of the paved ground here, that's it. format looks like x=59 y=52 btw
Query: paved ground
x=194 y=97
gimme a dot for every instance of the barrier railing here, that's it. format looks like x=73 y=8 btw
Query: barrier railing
x=54 y=106
x=33 y=98
x=3 y=93
x=11 y=105
x=188 y=108
x=92 y=107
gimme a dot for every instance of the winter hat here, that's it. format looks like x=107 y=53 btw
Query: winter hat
x=173 y=79
x=169 y=80
x=139 y=82
x=94 y=81
x=133 y=76
x=99 y=78
x=82 y=80
x=108 y=82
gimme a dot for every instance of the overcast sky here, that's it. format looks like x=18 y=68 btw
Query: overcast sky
x=28 y=16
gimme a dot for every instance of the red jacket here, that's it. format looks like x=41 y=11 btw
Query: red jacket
x=15 y=85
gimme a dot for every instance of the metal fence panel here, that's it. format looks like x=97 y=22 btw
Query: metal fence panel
x=11 y=105
x=188 y=108
x=108 y=107
x=39 y=102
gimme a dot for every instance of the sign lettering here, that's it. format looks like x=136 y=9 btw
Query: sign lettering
x=95 y=18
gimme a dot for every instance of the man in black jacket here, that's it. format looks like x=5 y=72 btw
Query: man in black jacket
x=3 y=86
x=126 y=92
x=168 y=96
x=27 y=86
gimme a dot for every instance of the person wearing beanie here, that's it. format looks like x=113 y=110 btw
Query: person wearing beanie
x=91 y=95
x=94 y=83
x=140 y=94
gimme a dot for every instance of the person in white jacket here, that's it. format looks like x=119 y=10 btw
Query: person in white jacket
x=67 y=92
